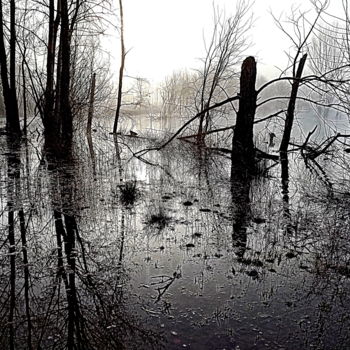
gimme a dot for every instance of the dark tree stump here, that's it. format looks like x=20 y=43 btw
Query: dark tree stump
x=242 y=143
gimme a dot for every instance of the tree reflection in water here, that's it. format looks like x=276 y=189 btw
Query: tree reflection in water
x=88 y=271
x=69 y=298
x=241 y=211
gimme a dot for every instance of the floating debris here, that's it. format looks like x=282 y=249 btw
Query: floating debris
x=253 y=273
x=290 y=303
x=259 y=221
x=290 y=255
x=257 y=263
x=189 y=245
x=197 y=235
x=128 y=193
x=160 y=219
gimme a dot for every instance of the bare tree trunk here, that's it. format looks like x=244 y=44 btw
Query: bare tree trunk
x=15 y=125
x=201 y=129
x=49 y=119
x=12 y=45
x=65 y=109
x=57 y=97
x=91 y=104
x=121 y=69
x=89 y=124
x=24 y=94
x=3 y=65
x=291 y=108
x=9 y=87
x=285 y=142
x=242 y=143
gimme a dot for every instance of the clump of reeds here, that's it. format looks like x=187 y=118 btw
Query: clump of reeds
x=158 y=219
x=128 y=193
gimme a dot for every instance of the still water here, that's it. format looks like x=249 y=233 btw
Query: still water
x=103 y=250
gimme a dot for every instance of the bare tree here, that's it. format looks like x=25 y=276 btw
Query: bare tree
x=91 y=104
x=177 y=93
x=52 y=41
x=121 y=69
x=328 y=79
x=330 y=52
x=49 y=117
x=140 y=91
x=8 y=76
x=223 y=53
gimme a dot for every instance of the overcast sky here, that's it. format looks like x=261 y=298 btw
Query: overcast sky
x=167 y=35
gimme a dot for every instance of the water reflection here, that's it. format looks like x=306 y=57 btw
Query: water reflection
x=285 y=191
x=92 y=153
x=95 y=316
x=13 y=188
x=64 y=213
x=97 y=274
x=241 y=211
x=57 y=292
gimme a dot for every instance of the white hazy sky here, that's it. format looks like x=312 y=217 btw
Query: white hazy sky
x=167 y=35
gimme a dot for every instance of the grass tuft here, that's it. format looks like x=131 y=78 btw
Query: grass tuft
x=128 y=193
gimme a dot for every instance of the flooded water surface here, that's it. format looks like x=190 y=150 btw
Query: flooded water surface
x=103 y=250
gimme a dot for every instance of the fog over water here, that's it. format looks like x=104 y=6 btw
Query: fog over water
x=200 y=201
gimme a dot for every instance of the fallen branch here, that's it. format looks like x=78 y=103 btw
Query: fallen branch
x=263 y=155
x=207 y=133
x=216 y=105
x=269 y=116
x=232 y=126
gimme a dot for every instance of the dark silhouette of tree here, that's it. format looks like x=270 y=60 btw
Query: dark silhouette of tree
x=8 y=75
x=49 y=118
x=224 y=51
x=242 y=142
x=121 y=69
